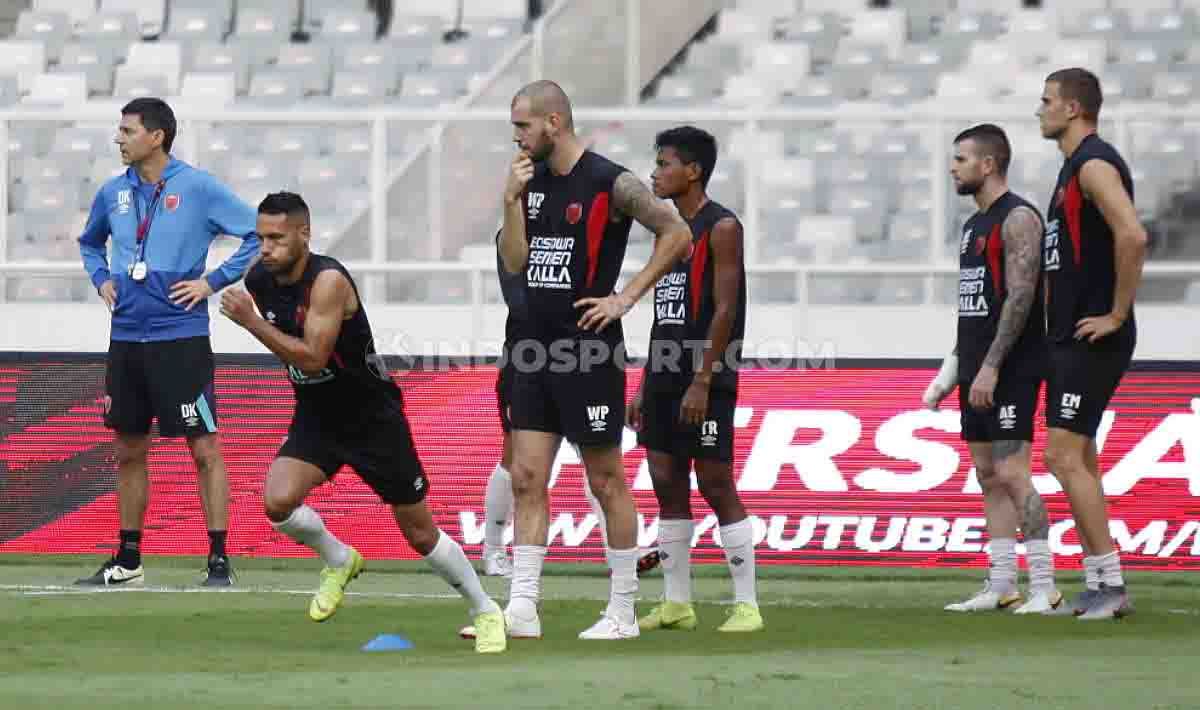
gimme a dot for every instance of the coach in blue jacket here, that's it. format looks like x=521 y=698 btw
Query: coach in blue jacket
x=162 y=215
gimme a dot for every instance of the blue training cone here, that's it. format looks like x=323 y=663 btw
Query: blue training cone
x=388 y=642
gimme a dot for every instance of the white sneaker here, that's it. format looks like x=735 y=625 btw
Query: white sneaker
x=987 y=599
x=610 y=629
x=523 y=620
x=1042 y=601
x=496 y=562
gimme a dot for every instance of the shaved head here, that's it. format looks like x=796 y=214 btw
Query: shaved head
x=546 y=97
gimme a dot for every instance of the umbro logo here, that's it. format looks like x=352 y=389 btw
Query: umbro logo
x=737 y=561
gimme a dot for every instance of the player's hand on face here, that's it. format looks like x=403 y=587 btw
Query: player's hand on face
x=695 y=404
x=983 y=388
x=189 y=293
x=237 y=306
x=1096 y=327
x=519 y=175
x=108 y=294
x=602 y=311
x=633 y=412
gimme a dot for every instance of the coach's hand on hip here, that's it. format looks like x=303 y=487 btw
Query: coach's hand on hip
x=190 y=292
x=602 y=311
x=108 y=294
x=984 y=387
x=237 y=306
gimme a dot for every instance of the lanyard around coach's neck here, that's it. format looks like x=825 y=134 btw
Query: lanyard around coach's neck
x=143 y=230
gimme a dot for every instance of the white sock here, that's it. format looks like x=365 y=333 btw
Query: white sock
x=594 y=504
x=1091 y=572
x=1041 y=565
x=305 y=526
x=1003 y=572
x=527 y=573
x=738 y=541
x=448 y=560
x=497 y=506
x=1108 y=567
x=675 y=551
x=624 y=584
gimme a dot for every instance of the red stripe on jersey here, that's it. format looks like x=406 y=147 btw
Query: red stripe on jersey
x=995 y=258
x=696 y=277
x=596 y=222
x=338 y=359
x=1072 y=206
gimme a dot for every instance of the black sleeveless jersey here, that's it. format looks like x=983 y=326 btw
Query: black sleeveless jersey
x=1081 y=276
x=575 y=247
x=982 y=293
x=355 y=380
x=684 y=306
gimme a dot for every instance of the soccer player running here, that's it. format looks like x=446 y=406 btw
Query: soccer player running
x=162 y=215
x=683 y=411
x=997 y=367
x=1095 y=248
x=567 y=214
x=348 y=412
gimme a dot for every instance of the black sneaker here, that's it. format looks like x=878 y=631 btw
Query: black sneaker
x=112 y=574
x=648 y=561
x=220 y=572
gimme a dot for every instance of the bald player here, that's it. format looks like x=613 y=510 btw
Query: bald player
x=567 y=215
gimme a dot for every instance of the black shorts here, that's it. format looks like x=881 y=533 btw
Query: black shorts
x=504 y=380
x=1011 y=415
x=662 y=431
x=168 y=380
x=1082 y=380
x=586 y=407
x=380 y=450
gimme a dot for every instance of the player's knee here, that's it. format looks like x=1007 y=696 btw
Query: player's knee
x=131 y=451
x=721 y=495
x=423 y=538
x=279 y=504
x=527 y=483
x=1061 y=461
x=987 y=478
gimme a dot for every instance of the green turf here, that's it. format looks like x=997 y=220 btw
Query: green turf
x=835 y=638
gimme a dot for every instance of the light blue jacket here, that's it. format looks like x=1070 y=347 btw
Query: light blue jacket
x=193 y=209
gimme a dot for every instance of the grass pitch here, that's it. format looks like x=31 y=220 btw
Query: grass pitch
x=835 y=638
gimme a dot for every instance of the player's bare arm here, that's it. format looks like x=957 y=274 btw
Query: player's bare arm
x=331 y=299
x=514 y=246
x=1102 y=184
x=725 y=241
x=631 y=198
x=1022 y=235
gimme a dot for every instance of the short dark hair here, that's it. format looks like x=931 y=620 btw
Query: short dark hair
x=694 y=145
x=155 y=115
x=992 y=141
x=1076 y=84
x=288 y=203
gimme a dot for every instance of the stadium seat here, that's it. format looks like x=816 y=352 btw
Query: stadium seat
x=742 y=27
x=1175 y=88
x=770 y=9
x=748 y=90
x=161 y=58
x=116 y=30
x=50 y=28
x=67 y=89
x=1098 y=23
x=223 y=9
x=150 y=13
x=54 y=196
x=432 y=88
x=53 y=167
x=500 y=9
x=196 y=24
x=349 y=140
x=133 y=83
x=820 y=33
x=342 y=26
x=359 y=88
x=260 y=34
x=24 y=59
x=10 y=91
x=786 y=63
x=286 y=12
x=276 y=88
x=218 y=57
x=479 y=54
x=77 y=11
x=255 y=168
x=899 y=88
x=209 y=88
x=685 y=89
x=29 y=138
x=311 y=61
x=968 y=26
x=291 y=140
x=94 y=60
x=413 y=26
x=855 y=63
x=887 y=28
x=867 y=205
x=814 y=92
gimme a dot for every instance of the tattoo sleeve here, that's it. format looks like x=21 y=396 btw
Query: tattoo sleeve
x=1022 y=234
x=632 y=198
x=1035 y=522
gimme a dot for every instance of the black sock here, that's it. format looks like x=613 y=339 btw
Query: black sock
x=216 y=543
x=129 y=552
